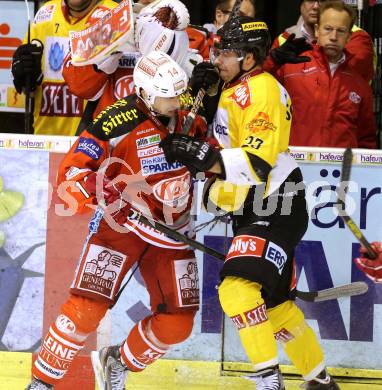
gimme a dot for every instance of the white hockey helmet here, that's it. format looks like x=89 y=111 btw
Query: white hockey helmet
x=158 y=75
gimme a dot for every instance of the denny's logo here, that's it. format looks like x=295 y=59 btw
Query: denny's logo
x=254 y=26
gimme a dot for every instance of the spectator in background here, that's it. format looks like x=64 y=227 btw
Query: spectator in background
x=360 y=44
x=223 y=10
x=201 y=38
x=332 y=103
x=57 y=111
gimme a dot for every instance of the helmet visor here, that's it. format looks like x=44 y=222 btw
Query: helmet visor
x=227 y=54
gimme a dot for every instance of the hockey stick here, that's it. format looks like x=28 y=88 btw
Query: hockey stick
x=29 y=98
x=347 y=290
x=345 y=177
x=199 y=97
x=194 y=110
x=176 y=235
x=235 y=9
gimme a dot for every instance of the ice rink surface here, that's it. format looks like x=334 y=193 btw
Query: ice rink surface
x=15 y=371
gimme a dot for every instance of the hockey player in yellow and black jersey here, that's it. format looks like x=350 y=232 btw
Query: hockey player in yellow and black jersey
x=260 y=185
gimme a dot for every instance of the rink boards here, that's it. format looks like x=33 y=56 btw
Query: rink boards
x=40 y=248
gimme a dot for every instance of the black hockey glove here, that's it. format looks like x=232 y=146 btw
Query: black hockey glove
x=204 y=75
x=197 y=155
x=289 y=52
x=26 y=66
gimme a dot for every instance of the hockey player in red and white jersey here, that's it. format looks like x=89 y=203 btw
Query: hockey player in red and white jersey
x=372 y=268
x=117 y=163
x=160 y=26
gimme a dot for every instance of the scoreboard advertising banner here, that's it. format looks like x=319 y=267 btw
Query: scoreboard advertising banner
x=40 y=244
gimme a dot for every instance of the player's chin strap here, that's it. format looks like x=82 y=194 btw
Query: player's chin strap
x=243 y=71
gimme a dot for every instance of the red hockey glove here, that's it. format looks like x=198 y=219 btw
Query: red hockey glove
x=372 y=268
x=109 y=192
x=109 y=195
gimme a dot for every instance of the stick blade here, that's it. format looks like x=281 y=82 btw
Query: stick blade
x=347 y=290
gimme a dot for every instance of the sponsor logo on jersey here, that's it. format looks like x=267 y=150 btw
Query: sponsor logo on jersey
x=56 y=56
x=57 y=100
x=55 y=51
x=187 y=277
x=118 y=104
x=124 y=87
x=256 y=315
x=145 y=131
x=58 y=352
x=283 y=335
x=89 y=147
x=149 y=356
x=112 y=122
x=158 y=164
x=220 y=129
x=101 y=270
x=147 y=141
x=174 y=191
x=238 y=322
x=129 y=60
x=261 y=122
x=242 y=96
x=276 y=255
x=152 y=151
x=354 y=97
x=65 y=324
x=245 y=245
x=45 y=14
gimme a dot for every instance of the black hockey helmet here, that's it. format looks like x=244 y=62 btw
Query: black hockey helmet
x=243 y=33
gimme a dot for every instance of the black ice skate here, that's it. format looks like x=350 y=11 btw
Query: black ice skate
x=323 y=381
x=36 y=384
x=268 y=379
x=109 y=370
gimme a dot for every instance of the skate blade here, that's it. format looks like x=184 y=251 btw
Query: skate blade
x=98 y=371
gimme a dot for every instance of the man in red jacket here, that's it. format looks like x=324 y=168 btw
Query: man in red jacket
x=360 y=44
x=332 y=103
